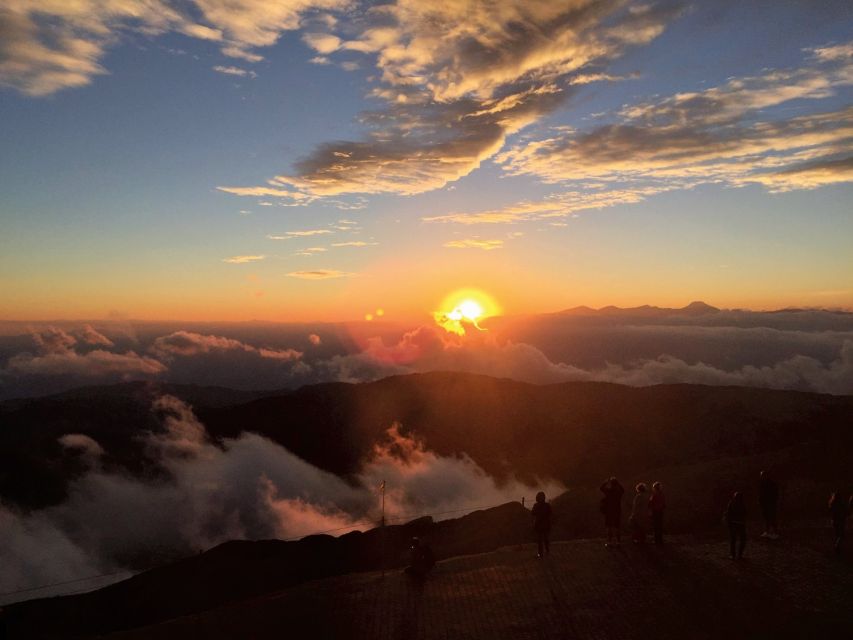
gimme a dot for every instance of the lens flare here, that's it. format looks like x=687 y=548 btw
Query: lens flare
x=465 y=307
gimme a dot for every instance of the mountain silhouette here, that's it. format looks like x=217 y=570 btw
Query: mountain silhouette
x=575 y=432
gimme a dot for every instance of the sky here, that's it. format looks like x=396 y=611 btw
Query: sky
x=301 y=160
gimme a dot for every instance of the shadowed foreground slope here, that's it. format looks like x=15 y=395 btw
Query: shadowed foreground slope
x=686 y=589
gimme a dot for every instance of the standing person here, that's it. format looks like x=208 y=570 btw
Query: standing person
x=657 y=504
x=639 y=509
x=768 y=499
x=611 y=507
x=839 y=509
x=421 y=559
x=736 y=519
x=542 y=524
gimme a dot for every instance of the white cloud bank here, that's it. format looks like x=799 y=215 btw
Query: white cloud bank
x=248 y=488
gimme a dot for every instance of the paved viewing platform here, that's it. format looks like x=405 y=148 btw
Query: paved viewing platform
x=687 y=588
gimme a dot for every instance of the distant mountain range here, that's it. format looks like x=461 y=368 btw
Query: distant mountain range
x=697 y=308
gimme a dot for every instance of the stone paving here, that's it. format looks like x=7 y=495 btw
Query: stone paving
x=687 y=588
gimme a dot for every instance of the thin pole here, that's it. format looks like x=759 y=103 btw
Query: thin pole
x=382 y=541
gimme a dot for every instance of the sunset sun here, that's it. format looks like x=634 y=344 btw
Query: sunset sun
x=465 y=307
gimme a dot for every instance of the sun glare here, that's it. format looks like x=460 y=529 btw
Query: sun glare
x=465 y=307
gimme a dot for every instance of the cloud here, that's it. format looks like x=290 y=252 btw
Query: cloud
x=808 y=175
x=306 y=233
x=320 y=274
x=418 y=480
x=314 y=339
x=234 y=71
x=807 y=350
x=241 y=488
x=233 y=51
x=93 y=364
x=430 y=348
x=57 y=357
x=91 y=336
x=246 y=24
x=294 y=198
x=83 y=443
x=724 y=134
x=322 y=43
x=458 y=78
x=53 y=340
x=419 y=147
x=47 y=46
x=354 y=243
x=475 y=243
x=555 y=206
x=473 y=47
x=195 y=358
x=242 y=259
x=188 y=343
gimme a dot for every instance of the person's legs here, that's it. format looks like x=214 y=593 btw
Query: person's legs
x=839 y=535
x=732 y=540
x=657 y=522
x=772 y=526
x=539 y=544
x=742 y=536
x=638 y=534
x=546 y=537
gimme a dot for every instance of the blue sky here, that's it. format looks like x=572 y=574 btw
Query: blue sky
x=116 y=133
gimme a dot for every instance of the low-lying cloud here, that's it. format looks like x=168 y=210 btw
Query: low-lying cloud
x=243 y=488
x=800 y=350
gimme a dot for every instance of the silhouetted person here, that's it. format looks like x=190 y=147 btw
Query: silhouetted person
x=736 y=519
x=839 y=508
x=421 y=559
x=611 y=507
x=542 y=525
x=639 y=509
x=768 y=499
x=657 y=504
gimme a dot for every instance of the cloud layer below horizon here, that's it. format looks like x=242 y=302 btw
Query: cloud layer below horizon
x=808 y=351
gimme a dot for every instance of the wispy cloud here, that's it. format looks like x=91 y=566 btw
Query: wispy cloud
x=305 y=233
x=310 y=251
x=47 y=46
x=284 y=195
x=189 y=343
x=475 y=243
x=558 y=205
x=354 y=243
x=320 y=274
x=235 y=71
x=725 y=134
x=242 y=259
x=453 y=94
